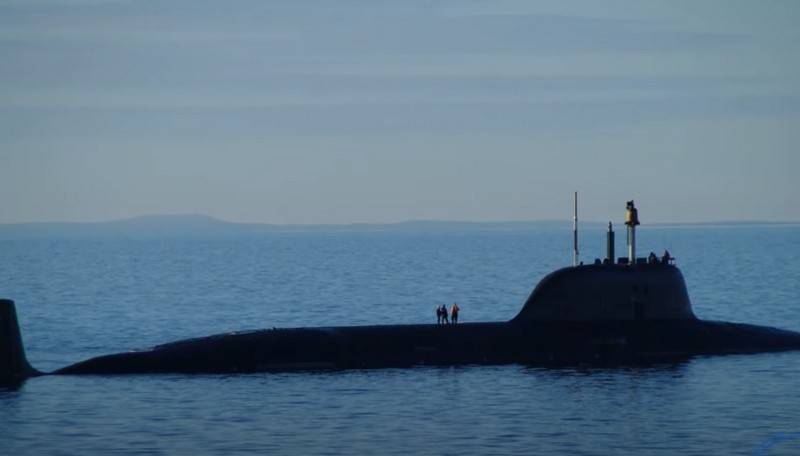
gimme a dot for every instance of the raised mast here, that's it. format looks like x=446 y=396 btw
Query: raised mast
x=631 y=220
x=575 y=231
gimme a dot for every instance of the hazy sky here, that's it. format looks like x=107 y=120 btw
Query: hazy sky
x=381 y=111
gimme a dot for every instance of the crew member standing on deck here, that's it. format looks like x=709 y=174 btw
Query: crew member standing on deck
x=444 y=314
x=454 y=313
x=438 y=315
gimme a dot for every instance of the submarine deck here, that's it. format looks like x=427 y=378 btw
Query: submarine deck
x=467 y=343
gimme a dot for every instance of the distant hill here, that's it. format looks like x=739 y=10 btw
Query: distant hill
x=205 y=226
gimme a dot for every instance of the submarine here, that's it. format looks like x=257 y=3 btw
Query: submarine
x=618 y=311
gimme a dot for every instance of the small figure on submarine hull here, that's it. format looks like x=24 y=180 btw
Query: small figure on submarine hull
x=454 y=313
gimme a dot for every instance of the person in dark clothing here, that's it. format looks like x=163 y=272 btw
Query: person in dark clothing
x=444 y=314
x=438 y=315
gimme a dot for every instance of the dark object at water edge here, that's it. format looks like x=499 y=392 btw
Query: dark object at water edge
x=597 y=314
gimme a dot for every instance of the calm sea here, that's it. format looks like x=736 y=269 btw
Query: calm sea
x=85 y=297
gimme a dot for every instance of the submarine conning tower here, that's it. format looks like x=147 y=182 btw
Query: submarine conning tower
x=630 y=289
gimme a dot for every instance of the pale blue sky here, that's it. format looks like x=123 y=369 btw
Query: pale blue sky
x=382 y=111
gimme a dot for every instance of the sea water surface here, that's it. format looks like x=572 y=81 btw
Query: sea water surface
x=84 y=297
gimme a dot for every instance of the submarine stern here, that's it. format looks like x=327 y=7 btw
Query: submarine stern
x=14 y=366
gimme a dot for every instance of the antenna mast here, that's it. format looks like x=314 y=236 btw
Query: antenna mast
x=575 y=231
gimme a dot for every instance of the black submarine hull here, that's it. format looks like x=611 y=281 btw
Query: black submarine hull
x=366 y=347
x=595 y=314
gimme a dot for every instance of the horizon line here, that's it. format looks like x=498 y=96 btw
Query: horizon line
x=214 y=219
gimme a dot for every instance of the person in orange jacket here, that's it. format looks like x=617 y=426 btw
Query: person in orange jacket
x=454 y=313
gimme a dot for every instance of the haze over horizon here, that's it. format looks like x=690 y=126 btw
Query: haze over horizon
x=315 y=112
